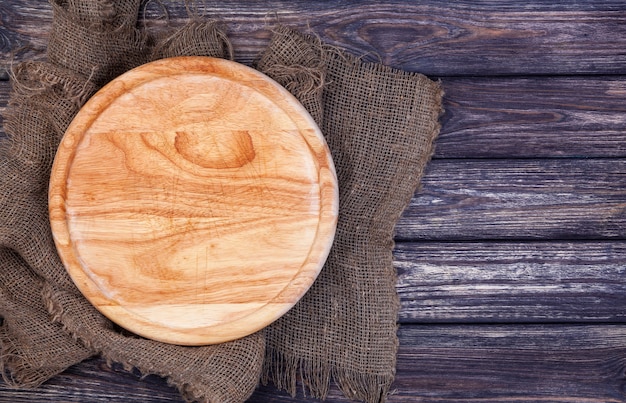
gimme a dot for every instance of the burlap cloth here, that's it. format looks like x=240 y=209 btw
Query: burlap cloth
x=380 y=124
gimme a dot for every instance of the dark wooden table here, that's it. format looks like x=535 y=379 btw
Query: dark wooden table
x=512 y=255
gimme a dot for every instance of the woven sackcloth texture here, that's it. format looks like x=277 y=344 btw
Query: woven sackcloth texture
x=380 y=124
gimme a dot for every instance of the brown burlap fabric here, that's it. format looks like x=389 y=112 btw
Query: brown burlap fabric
x=380 y=124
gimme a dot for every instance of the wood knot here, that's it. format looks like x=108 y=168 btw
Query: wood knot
x=218 y=149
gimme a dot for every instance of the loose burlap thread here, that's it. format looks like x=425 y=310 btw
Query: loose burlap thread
x=380 y=125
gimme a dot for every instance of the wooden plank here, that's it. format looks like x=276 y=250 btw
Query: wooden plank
x=502 y=364
x=543 y=117
x=525 y=118
x=497 y=282
x=511 y=363
x=460 y=38
x=435 y=364
x=518 y=199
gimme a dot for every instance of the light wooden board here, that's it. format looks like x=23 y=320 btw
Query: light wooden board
x=193 y=200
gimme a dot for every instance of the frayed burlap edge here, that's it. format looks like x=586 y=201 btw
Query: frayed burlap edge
x=306 y=80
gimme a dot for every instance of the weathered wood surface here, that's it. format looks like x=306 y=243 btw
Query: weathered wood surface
x=503 y=282
x=443 y=39
x=491 y=363
x=503 y=363
x=541 y=117
x=518 y=199
x=521 y=216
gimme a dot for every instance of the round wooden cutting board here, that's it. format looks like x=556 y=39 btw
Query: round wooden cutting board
x=193 y=200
